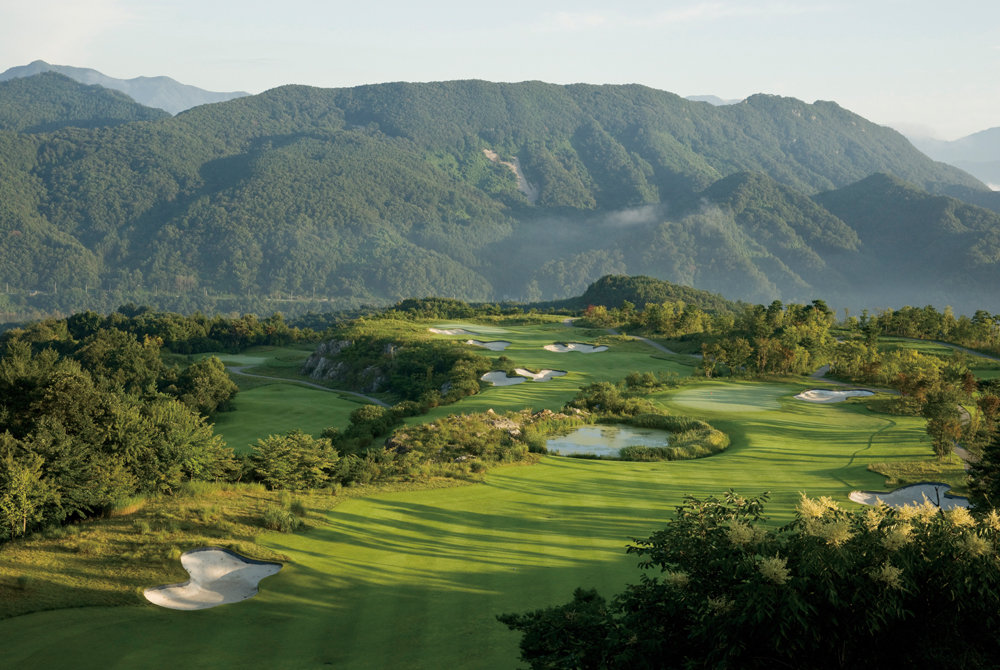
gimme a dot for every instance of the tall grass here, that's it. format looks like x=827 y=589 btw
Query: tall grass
x=125 y=506
x=280 y=519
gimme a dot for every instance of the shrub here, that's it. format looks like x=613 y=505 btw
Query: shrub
x=281 y=520
x=24 y=582
x=298 y=508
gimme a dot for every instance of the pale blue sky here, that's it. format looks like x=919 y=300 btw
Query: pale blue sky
x=919 y=62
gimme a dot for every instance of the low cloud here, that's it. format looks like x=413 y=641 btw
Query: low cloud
x=634 y=216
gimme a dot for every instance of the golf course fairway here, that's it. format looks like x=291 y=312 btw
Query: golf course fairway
x=414 y=579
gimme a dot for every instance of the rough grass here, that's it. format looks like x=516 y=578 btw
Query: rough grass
x=903 y=473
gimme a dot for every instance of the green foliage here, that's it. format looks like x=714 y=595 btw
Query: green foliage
x=50 y=101
x=832 y=589
x=278 y=518
x=345 y=197
x=294 y=461
x=76 y=442
x=204 y=386
x=612 y=291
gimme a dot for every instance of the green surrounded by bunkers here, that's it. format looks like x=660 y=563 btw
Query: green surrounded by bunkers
x=414 y=579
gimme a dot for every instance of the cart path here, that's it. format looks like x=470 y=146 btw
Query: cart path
x=238 y=370
x=653 y=344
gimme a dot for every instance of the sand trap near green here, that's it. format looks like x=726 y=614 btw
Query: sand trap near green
x=732 y=397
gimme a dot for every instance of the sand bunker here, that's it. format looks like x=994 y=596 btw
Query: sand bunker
x=821 y=395
x=500 y=378
x=541 y=376
x=499 y=345
x=914 y=494
x=451 y=331
x=218 y=577
x=562 y=348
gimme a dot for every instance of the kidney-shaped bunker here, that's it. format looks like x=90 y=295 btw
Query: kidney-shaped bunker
x=218 y=577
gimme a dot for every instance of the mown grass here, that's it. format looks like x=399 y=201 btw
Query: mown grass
x=413 y=578
x=623 y=356
x=275 y=409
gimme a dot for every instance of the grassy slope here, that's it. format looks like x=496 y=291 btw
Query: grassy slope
x=275 y=409
x=264 y=407
x=413 y=579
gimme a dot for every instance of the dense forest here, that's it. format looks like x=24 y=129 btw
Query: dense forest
x=347 y=197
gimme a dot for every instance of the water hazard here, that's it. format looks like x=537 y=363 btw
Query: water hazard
x=606 y=440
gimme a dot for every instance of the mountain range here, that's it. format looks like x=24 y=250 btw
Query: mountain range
x=480 y=191
x=159 y=92
x=978 y=154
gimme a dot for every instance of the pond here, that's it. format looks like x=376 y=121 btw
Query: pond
x=603 y=440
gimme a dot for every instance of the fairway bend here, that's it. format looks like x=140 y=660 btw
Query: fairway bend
x=239 y=371
x=653 y=344
x=871 y=440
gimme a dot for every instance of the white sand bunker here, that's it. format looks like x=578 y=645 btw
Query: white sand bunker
x=821 y=395
x=562 y=348
x=218 y=577
x=541 y=376
x=936 y=492
x=500 y=378
x=451 y=331
x=499 y=345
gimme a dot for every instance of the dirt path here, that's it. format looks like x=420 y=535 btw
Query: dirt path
x=239 y=371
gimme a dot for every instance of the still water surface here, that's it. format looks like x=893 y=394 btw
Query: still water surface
x=604 y=440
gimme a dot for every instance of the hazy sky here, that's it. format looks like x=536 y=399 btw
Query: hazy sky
x=895 y=62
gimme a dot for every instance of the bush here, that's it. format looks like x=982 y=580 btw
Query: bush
x=24 y=582
x=298 y=508
x=873 y=588
x=281 y=520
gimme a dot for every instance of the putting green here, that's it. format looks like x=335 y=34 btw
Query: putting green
x=729 y=398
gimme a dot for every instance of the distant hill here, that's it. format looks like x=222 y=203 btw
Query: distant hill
x=908 y=235
x=373 y=194
x=613 y=290
x=160 y=92
x=978 y=154
x=713 y=100
x=50 y=101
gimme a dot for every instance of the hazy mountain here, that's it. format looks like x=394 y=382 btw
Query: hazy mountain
x=978 y=154
x=377 y=193
x=160 y=92
x=51 y=101
x=713 y=100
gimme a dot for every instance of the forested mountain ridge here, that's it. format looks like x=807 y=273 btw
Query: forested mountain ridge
x=52 y=101
x=159 y=92
x=378 y=193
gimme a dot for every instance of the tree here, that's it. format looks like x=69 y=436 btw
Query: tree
x=984 y=477
x=24 y=492
x=882 y=587
x=204 y=386
x=295 y=461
